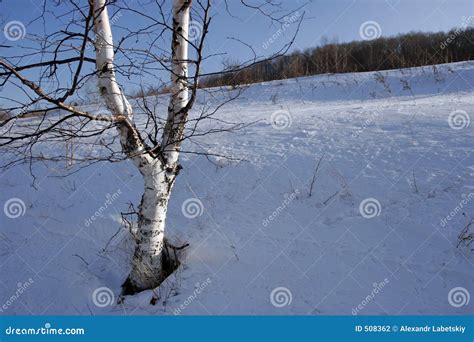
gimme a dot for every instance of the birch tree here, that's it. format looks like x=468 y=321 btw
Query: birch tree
x=85 y=48
x=160 y=168
x=158 y=164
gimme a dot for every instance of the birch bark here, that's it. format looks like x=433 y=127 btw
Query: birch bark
x=159 y=174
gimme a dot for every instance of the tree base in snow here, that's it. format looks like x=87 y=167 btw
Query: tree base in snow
x=170 y=261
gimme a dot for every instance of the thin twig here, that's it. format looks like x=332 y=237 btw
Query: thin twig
x=315 y=176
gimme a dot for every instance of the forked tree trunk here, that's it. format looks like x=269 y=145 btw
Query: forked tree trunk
x=151 y=263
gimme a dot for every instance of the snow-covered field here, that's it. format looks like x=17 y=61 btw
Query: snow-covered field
x=396 y=158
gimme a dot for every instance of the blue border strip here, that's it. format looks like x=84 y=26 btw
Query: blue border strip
x=238 y=328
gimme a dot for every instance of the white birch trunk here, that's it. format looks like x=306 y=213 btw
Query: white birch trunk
x=147 y=265
x=159 y=174
x=177 y=111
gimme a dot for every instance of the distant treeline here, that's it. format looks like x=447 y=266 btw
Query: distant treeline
x=403 y=51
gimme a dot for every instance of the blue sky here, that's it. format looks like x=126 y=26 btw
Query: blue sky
x=341 y=19
x=334 y=19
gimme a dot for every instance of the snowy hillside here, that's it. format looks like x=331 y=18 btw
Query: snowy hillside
x=378 y=235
